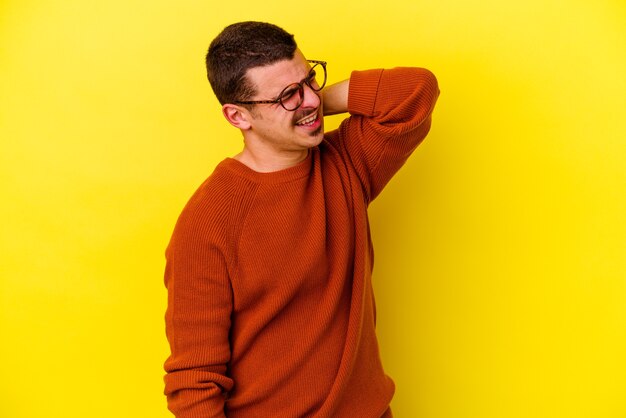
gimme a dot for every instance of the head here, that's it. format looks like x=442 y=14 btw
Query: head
x=240 y=47
x=255 y=61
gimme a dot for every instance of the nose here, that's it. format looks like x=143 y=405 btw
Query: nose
x=311 y=99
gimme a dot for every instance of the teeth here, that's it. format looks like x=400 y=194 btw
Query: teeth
x=308 y=120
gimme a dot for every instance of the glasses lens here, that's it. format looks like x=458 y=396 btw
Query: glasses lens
x=317 y=77
x=291 y=97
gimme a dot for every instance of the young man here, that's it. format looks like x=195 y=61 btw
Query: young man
x=270 y=304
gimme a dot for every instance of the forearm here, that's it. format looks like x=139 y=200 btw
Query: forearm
x=335 y=98
x=390 y=115
x=197 y=320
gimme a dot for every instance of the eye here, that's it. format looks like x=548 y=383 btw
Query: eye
x=289 y=92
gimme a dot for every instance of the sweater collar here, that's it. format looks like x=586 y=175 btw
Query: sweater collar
x=302 y=169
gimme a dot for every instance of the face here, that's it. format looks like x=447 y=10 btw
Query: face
x=271 y=126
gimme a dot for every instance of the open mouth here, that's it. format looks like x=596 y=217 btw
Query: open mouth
x=308 y=120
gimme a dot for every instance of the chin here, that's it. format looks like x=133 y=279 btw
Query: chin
x=318 y=136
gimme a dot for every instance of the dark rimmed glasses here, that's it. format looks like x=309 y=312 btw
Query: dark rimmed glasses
x=292 y=96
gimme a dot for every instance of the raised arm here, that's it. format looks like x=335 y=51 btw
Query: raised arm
x=390 y=114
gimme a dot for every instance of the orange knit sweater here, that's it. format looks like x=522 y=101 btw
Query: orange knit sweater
x=270 y=304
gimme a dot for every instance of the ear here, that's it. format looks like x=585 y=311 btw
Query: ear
x=237 y=116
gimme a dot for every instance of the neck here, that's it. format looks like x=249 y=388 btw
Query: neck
x=267 y=163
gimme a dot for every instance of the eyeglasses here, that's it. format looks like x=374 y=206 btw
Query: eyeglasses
x=292 y=96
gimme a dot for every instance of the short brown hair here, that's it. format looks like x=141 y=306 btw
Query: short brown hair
x=238 y=48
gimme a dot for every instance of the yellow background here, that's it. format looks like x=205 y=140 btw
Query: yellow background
x=500 y=264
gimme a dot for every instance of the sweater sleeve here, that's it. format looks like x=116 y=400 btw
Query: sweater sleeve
x=390 y=115
x=197 y=319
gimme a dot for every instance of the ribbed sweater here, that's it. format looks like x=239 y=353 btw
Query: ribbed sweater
x=271 y=311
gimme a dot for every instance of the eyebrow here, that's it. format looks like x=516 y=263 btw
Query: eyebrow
x=308 y=72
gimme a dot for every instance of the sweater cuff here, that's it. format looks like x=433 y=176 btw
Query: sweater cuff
x=363 y=91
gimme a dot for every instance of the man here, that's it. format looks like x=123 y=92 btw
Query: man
x=270 y=304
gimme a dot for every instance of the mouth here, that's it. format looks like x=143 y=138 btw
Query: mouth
x=309 y=121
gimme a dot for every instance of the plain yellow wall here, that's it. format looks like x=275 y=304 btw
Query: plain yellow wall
x=500 y=247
